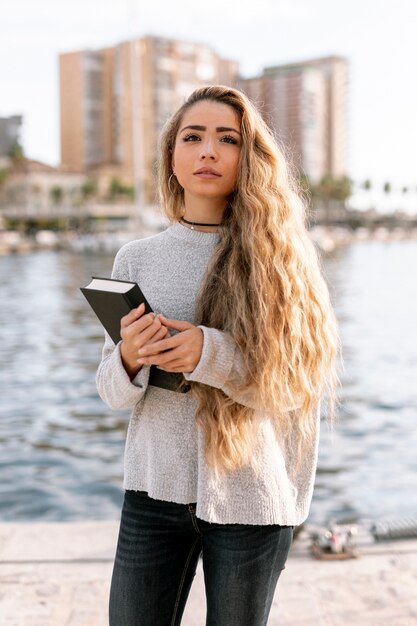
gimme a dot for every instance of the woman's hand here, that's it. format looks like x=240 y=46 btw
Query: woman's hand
x=136 y=330
x=179 y=353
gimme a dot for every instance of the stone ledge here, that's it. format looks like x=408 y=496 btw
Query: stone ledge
x=58 y=574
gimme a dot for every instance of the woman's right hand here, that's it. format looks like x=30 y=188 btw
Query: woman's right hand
x=136 y=330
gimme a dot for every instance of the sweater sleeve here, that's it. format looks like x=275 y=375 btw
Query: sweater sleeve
x=113 y=383
x=221 y=365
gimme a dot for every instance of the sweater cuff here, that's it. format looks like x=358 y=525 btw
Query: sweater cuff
x=130 y=390
x=216 y=359
x=141 y=377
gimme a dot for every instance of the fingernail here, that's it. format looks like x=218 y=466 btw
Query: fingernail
x=141 y=351
x=139 y=361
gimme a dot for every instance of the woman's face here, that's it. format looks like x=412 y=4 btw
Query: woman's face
x=207 y=150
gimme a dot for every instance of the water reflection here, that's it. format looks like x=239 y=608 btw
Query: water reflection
x=62 y=449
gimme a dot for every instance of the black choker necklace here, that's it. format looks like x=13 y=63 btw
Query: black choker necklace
x=192 y=224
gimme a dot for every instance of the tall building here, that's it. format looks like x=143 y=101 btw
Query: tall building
x=306 y=105
x=86 y=108
x=114 y=102
x=9 y=133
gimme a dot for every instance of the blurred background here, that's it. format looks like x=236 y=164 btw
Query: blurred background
x=85 y=88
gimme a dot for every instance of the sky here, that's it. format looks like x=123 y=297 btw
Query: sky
x=378 y=39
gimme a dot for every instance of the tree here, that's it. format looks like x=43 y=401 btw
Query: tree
x=4 y=172
x=56 y=193
x=367 y=186
x=89 y=188
x=117 y=188
x=332 y=193
x=342 y=189
x=387 y=187
x=16 y=154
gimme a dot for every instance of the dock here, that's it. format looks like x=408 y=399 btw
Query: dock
x=58 y=574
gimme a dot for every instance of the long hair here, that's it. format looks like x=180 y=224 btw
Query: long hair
x=264 y=287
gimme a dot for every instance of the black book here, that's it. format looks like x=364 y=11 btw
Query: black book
x=111 y=300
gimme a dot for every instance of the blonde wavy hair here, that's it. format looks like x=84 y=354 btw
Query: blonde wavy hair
x=264 y=287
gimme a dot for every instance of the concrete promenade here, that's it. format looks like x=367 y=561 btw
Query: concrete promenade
x=58 y=574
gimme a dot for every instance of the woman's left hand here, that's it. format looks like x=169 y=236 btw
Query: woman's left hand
x=179 y=353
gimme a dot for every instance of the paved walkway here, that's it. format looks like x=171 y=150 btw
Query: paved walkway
x=58 y=574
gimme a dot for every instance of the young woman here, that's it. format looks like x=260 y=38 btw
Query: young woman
x=224 y=466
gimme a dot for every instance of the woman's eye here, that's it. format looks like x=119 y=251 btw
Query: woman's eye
x=228 y=139
x=191 y=137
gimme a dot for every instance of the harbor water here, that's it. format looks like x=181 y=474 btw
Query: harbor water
x=62 y=448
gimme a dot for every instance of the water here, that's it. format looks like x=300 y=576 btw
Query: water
x=62 y=448
x=368 y=464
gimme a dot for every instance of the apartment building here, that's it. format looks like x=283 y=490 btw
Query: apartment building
x=306 y=105
x=114 y=103
x=85 y=108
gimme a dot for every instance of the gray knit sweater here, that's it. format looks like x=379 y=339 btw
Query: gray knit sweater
x=164 y=453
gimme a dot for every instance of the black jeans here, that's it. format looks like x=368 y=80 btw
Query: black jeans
x=157 y=553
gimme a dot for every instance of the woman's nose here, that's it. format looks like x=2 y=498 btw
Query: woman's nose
x=208 y=150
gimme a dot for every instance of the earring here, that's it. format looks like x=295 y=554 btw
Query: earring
x=169 y=183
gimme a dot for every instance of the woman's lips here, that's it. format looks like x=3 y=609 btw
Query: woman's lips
x=207 y=175
x=207 y=172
